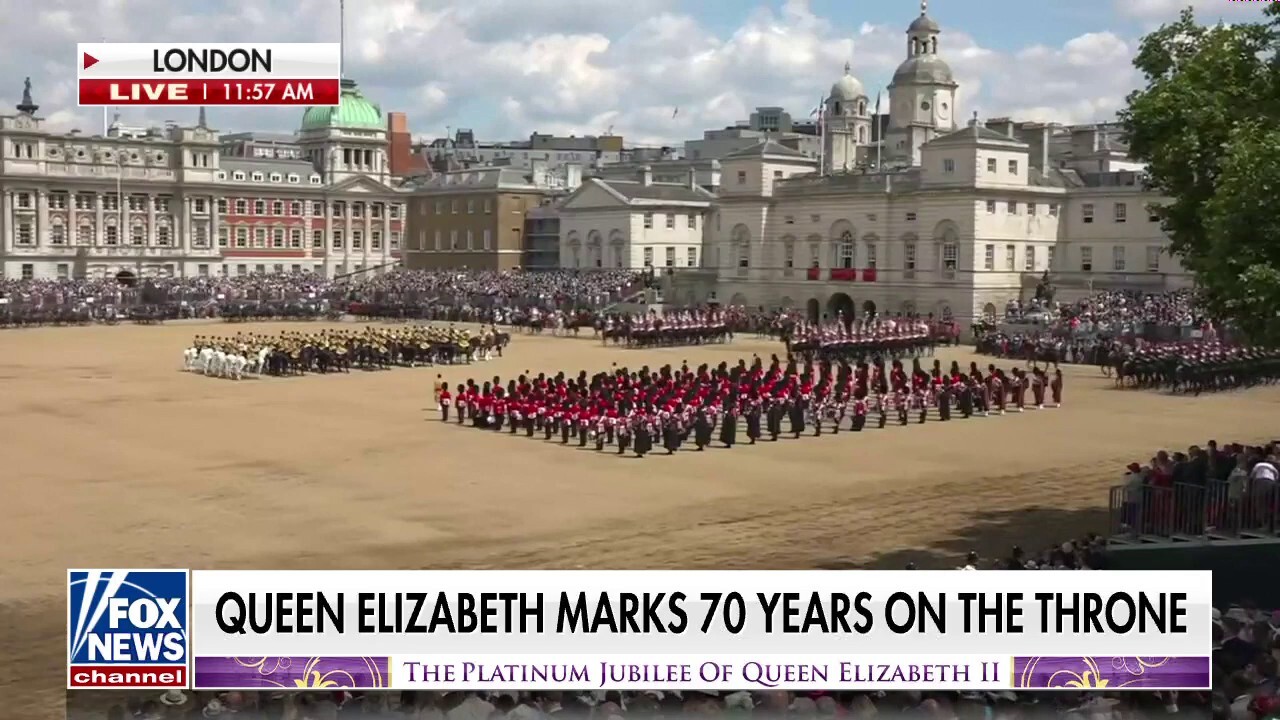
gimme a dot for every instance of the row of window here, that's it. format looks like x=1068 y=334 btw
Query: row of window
x=294 y=208
x=993 y=165
x=107 y=201
x=1119 y=213
x=63 y=270
x=86 y=235
x=291 y=178
x=742 y=176
x=595 y=257
x=457 y=206
x=871 y=217
x=691 y=220
x=1120 y=258
x=1012 y=207
x=845 y=257
x=241 y=237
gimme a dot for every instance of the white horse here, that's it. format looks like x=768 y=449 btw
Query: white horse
x=190 y=359
x=233 y=366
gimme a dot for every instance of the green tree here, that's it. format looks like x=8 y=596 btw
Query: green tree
x=1206 y=125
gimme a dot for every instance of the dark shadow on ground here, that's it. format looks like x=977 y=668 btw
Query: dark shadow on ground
x=992 y=535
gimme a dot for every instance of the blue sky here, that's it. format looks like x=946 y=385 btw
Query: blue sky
x=509 y=67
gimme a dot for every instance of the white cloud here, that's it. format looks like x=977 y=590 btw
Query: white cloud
x=509 y=67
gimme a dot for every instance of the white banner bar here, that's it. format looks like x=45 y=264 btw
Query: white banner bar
x=208 y=60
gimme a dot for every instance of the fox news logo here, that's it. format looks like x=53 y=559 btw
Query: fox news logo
x=127 y=628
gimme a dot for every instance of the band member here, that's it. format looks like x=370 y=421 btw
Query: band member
x=881 y=410
x=965 y=389
x=796 y=415
x=944 y=401
x=777 y=409
x=625 y=425
x=859 y=413
x=753 y=422
x=671 y=434
x=1038 y=382
x=902 y=401
x=1055 y=387
x=644 y=435
x=702 y=430
x=729 y=425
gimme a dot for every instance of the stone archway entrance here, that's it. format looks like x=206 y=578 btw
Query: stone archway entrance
x=127 y=278
x=813 y=310
x=840 y=306
x=786 y=303
x=869 y=308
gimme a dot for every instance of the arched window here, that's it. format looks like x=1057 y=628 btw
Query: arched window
x=862 y=135
x=933 y=46
x=862 y=107
x=847 y=251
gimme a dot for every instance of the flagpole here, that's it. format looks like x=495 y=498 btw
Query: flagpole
x=879 y=136
x=822 y=144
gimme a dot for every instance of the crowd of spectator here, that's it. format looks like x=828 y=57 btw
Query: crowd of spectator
x=546 y=289
x=1113 y=312
x=1212 y=489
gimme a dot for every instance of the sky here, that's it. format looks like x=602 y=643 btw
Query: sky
x=653 y=71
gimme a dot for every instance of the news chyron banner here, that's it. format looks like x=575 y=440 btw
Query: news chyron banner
x=639 y=630
x=267 y=75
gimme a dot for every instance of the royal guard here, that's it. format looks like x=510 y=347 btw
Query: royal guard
x=499 y=410
x=443 y=399
x=881 y=409
x=859 y=413
x=463 y=404
x=1038 y=382
x=1055 y=387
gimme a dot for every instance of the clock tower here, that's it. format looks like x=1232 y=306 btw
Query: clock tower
x=922 y=96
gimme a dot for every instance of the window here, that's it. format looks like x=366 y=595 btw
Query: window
x=164 y=236
x=294 y=179
x=242 y=237
x=453 y=206
x=453 y=239
x=471 y=207
x=84 y=201
x=242 y=270
x=375 y=211
x=470 y=241
x=28 y=271
x=162 y=204
x=789 y=254
x=1029 y=262
x=909 y=257
x=814 y=250
x=950 y=259
x=222 y=206
x=1086 y=259
x=671 y=221
x=375 y=239
x=64 y=271
x=439 y=240
x=1031 y=208
x=1086 y=212
x=200 y=236
x=58 y=201
x=337 y=210
x=202 y=270
x=1048 y=261
x=488 y=206
x=357 y=239
x=487 y=240
x=1013 y=167
x=1121 y=212
x=691 y=256
x=198 y=206
x=295 y=238
x=277 y=238
x=871 y=256
x=84 y=233
x=242 y=207
x=847 y=251
x=989 y=257
x=24 y=201
x=277 y=207
x=1010 y=256
x=1118 y=258
x=259 y=207
x=295 y=207
x=991 y=165
x=26 y=234
x=744 y=256
x=648 y=220
x=911 y=217
x=1053 y=210
x=1153 y=258
x=948 y=166
x=648 y=257
x=671 y=257
x=396 y=212
x=278 y=268
x=111 y=235
x=259 y=237
x=777 y=174
x=335 y=240
x=991 y=207
x=237 y=175
x=317 y=238
x=395 y=239
x=58 y=234
x=317 y=209
x=111 y=202
x=1012 y=207
x=693 y=221
x=742 y=177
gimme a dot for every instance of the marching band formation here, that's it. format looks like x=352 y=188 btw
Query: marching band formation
x=654 y=329
x=641 y=410
x=1196 y=367
x=339 y=350
x=857 y=341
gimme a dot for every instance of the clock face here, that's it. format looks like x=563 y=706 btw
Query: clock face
x=924 y=105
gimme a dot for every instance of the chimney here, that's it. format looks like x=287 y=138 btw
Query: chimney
x=646 y=175
x=693 y=179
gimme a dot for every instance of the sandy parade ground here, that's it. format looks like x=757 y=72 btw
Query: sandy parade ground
x=113 y=457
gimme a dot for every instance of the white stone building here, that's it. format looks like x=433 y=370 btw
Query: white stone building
x=957 y=224
x=169 y=204
x=635 y=224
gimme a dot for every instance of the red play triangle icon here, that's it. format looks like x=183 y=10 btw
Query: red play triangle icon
x=89 y=61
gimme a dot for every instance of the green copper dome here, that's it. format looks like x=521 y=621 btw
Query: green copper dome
x=353 y=111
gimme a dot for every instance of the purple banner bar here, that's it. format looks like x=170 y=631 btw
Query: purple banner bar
x=1112 y=673
x=245 y=673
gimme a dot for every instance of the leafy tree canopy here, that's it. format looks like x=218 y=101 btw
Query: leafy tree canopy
x=1208 y=126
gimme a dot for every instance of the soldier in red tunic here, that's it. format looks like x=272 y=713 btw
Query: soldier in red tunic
x=445 y=399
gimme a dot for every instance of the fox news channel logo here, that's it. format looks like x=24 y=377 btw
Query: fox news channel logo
x=127 y=629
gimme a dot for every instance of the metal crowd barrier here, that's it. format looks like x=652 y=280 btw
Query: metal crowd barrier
x=1194 y=512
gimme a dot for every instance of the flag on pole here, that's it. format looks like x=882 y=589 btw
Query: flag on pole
x=877 y=102
x=674 y=113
